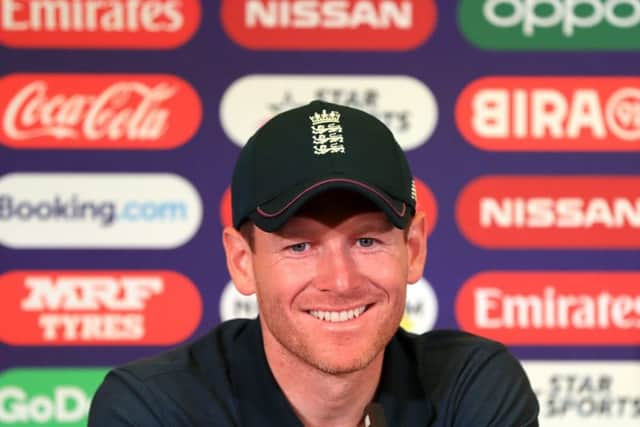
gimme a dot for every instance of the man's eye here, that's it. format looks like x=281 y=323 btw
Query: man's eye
x=299 y=247
x=366 y=242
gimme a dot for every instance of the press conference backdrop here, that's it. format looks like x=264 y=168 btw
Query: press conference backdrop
x=121 y=121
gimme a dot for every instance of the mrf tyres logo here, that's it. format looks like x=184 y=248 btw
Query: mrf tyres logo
x=406 y=105
x=551 y=113
x=329 y=24
x=97 y=308
x=552 y=308
x=551 y=24
x=586 y=393
x=550 y=212
x=103 y=111
x=93 y=210
x=98 y=24
x=48 y=396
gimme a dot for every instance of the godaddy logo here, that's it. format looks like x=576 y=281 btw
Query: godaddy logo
x=47 y=397
x=552 y=24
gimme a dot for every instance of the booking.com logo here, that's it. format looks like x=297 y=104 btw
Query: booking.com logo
x=94 y=210
x=74 y=208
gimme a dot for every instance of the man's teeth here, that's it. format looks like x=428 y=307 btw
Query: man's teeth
x=337 y=316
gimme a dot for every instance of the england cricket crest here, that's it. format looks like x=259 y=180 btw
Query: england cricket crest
x=327 y=133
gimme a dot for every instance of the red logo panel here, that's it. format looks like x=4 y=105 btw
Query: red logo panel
x=134 y=24
x=97 y=308
x=552 y=308
x=551 y=113
x=99 y=111
x=551 y=212
x=329 y=24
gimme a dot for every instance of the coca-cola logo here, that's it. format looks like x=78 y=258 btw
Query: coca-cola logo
x=97 y=307
x=97 y=111
x=135 y=24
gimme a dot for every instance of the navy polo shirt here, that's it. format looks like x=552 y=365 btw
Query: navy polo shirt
x=441 y=378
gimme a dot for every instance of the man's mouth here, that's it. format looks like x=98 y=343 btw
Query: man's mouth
x=338 y=316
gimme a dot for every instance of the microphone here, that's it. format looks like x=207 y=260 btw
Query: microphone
x=374 y=415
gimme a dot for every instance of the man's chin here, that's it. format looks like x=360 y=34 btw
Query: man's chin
x=340 y=366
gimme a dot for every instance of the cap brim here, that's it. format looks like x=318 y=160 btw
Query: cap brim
x=272 y=215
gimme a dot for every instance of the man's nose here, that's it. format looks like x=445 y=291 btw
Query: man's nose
x=338 y=269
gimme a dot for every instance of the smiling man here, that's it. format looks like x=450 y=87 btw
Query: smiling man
x=326 y=233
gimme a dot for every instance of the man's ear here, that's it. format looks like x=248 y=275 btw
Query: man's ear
x=417 y=247
x=239 y=260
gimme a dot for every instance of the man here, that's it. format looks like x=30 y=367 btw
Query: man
x=326 y=234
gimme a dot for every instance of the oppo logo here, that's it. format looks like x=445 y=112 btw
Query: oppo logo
x=550 y=212
x=99 y=111
x=97 y=307
x=329 y=24
x=406 y=105
x=426 y=203
x=97 y=210
x=96 y=24
x=552 y=308
x=527 y=15
x=551 y=113
x=551 y=24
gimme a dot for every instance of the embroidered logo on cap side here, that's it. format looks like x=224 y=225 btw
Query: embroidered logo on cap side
x=326 y=130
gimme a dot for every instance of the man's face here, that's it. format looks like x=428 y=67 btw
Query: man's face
x=331 y=283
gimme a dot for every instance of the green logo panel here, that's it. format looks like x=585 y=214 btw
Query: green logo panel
x=47 y=397
x=551 y=24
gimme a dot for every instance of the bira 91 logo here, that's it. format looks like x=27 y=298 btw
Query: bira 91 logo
x=551 y=113
x=48 y=396
x=97 y=24
x=329 y=24
x=97 y=308
x=101 y=111
x=551 y=24
x=548 y=212
x=425 y=202
x=552 y=308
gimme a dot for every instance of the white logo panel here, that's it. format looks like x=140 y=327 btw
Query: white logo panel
x=234 y=305
x=403 y=103
x=586 y=393
x=97 y=210
x=421 y=309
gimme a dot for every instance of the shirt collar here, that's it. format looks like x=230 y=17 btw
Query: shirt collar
x=259 y=399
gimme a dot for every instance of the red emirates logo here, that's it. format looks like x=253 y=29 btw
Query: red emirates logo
x=100 y=111
x=97 y=308
x=329 y=24
x=551 y=113
x=552 y=308
x=97 y=24
x=551 y=212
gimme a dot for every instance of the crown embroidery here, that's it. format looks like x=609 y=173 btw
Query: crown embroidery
x=327 y=133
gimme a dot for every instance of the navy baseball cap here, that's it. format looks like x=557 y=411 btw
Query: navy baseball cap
x=305 y=151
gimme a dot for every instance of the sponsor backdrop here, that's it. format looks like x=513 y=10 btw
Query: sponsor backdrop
x=120 y=122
